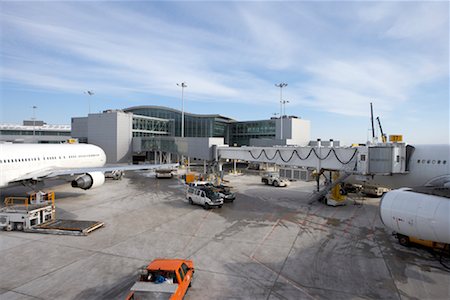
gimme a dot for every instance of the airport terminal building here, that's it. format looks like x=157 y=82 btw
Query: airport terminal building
x=34 y=131
x=139 y=131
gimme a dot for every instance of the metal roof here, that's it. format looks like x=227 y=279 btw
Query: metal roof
x=129 y=109
x=46 y=127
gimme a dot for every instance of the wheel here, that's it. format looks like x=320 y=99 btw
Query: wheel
x=403 y=240
x=19 y=226
x=206 y=206
x=190 y=201
x=276 y=183
x=8 y=227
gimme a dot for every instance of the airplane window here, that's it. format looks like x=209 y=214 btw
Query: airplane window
x=444 y=162
x=418 y=161
x=423 y=161
x=433 y=162
x=439 y=161
x=0 y=161
x=428 y=161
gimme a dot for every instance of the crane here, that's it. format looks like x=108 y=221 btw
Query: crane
x=383 y=136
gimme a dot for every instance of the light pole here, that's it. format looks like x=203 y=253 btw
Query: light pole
x=283 y=102
x=281 y=86
x=34 y=123
x=90 y=93
x=182 y=85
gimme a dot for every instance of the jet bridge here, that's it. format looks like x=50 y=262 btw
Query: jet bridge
x=376 y=159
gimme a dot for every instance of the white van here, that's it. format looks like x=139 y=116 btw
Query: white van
x=204 y=197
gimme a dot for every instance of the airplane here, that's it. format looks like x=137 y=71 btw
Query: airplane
x=419 y=205
x=32 y=163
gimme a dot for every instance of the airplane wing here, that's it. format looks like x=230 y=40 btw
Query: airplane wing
x=51 y=173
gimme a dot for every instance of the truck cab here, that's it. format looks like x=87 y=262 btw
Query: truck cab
x=274 y=179
x=163 y=279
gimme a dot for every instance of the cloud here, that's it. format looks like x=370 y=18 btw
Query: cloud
x=233 y=56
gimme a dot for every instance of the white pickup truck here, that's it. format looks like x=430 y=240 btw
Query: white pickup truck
x=204 y=196
x=274 y=179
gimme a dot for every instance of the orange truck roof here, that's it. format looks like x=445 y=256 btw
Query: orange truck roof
x=168 y=264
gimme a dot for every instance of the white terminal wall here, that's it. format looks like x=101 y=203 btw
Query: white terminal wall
x=79 y=127
x=112 y=131
x=295 y=131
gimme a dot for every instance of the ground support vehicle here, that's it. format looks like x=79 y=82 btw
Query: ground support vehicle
x=369 y=190
x=225 y=192
x=35 y=209
x=21 y=217
x=163 y=279
x=274 y=179
x=37 y=214
x=164 y=173
x=204 y=196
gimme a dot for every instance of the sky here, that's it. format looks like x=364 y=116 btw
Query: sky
x=336 y=58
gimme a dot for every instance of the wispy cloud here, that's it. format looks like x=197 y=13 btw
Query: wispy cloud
x=229 y=52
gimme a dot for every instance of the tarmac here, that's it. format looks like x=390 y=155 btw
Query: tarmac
x=268 y=244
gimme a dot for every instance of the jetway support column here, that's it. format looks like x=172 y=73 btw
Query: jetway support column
x=221 y=170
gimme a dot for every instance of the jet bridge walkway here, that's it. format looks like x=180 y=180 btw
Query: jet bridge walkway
x=377 y=159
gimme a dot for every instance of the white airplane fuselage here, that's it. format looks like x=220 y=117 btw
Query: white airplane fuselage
x=17 y=160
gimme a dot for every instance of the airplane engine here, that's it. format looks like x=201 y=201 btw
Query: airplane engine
x=418 y=215
x=89 y=180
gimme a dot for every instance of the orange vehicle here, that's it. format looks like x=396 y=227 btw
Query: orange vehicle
x=163 y=279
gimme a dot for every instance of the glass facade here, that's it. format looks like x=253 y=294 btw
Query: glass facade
x=242 y=132
x=194 y=125
x=233 y=132
x=36 y=132
x=148 y=126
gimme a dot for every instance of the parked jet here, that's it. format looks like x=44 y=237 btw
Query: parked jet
x=421 y=207
x=428 y=165
x=31 y=163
